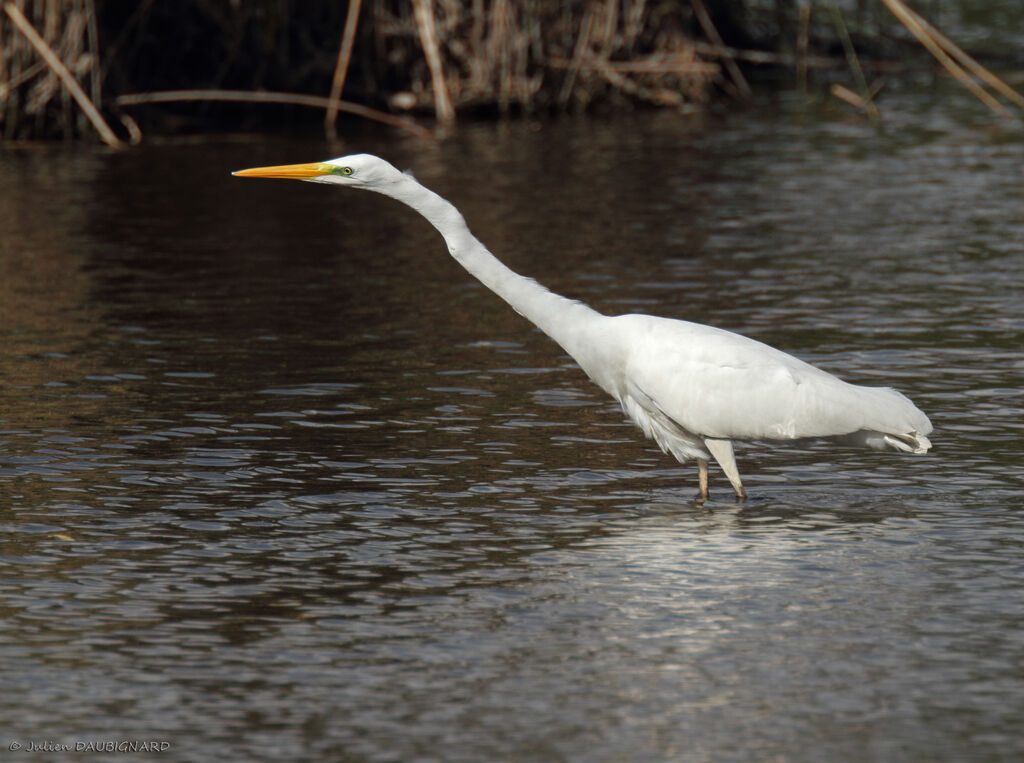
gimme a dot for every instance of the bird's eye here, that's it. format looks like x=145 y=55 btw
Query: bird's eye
x=346 y=170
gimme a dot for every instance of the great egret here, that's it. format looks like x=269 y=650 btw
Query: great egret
x=691 y=388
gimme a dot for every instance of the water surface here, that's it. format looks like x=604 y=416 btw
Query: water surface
x=280 y=481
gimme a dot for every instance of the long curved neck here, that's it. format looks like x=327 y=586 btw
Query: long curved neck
x=560 y=318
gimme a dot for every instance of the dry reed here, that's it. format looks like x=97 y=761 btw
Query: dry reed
x=532 y=55
x=945 y=52
x=45 y=49
x=425 y=56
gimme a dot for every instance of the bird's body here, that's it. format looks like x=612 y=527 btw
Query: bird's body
x=692 y=388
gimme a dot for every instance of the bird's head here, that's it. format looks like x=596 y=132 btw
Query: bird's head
x=357 y=171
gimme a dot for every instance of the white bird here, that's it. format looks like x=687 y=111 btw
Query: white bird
x=691 y=388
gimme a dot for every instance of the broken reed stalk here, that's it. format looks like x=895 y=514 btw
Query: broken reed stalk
x=341 y=68
x=504 y=42
x=134 y=133
x=966 y=61
x=92 y=29
x=263 y=96
x=913 y=22
x=25 y=76
x=577 y=58
x=62 y=73
x=802 y=42
x=730 y=65
x=845 y=94
x=787 y=59
x=423 y=10
x=858 y=74
x=643 y=67
x=661 y=96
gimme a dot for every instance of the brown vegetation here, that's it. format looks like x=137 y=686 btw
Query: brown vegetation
x=74 y=67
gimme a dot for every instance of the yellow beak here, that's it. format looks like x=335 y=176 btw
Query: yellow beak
x=291 y=171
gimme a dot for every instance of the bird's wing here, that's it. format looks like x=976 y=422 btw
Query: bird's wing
x=672 y=437
x=717 y=384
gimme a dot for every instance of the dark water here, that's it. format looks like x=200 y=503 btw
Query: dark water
x=279 y=481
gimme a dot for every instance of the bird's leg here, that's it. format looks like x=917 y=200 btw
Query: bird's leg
x=722 y=451
x=702 y=478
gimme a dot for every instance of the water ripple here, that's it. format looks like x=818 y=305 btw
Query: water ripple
x=275 y=502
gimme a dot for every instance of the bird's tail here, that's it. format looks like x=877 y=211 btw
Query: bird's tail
x=907 y=442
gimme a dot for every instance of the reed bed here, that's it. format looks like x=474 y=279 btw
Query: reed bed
x=49 y=69
x=75 y=67
x=534 y=55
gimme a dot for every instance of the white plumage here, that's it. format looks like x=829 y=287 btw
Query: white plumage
x=691 y=388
